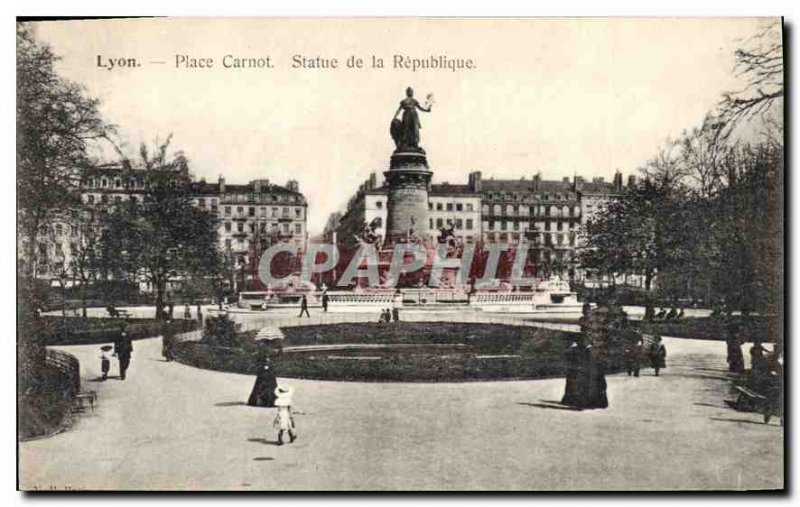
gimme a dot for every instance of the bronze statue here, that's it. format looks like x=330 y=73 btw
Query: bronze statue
x=405 y=133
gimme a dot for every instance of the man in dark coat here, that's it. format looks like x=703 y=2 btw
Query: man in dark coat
x=123 y=348
x=735 y=356
x=658 y=354
x=263 y=393
x=325 y=302
x=168 y=340
x=304 y=307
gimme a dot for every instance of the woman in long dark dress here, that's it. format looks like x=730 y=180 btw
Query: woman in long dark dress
x=411 y=124
x=263 y=394
x=572 y=393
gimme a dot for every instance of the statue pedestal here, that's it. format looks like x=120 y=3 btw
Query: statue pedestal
x=408 y=179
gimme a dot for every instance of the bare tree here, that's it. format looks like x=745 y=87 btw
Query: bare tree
x=760 y=63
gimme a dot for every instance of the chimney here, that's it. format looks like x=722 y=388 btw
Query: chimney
x=618 y=181
x=257 y=185
x=631 y=181
x=565 y=179
x=537 y=179
x=577 y=183
x=373 y=181
x=293 y=185
x=475 y=181
x=221 y=184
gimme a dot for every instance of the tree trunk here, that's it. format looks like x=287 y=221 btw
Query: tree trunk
x=160 y=285
x=83 y=298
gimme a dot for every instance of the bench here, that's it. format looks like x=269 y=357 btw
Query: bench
x=117 y=314
x=81 y=398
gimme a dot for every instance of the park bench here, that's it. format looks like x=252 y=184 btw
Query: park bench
x=81 y=398
x=117 y=314
x=748 y=396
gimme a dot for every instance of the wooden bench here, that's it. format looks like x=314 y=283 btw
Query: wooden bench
x=80 y=398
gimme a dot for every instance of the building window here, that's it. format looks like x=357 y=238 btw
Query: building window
x=459 y=207
x=117 y=183
x=262 y=211
x=201 y=202
x=379 y=204
x=104 y=199
x=298 y=228
x=251 y=211
x=91 y=199
x=430 y=223
x=449 y=206
x=274 y=212
x=439 y=223
x=438 y=206
x=286 y=228
x=298 y=212
x=240 y=227
x=503 y=225
x=430 y=206
x=459 y=223
x=134 y=199
x=103 y=182
x=469 y=224
x=469 y=206
x=239 y=210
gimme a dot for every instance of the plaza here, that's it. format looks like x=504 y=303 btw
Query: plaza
x=171 y=426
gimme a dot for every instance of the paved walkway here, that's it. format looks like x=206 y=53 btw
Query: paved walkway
x=170 y=426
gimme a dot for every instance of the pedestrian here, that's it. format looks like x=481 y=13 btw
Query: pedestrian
x=658 y=354
x=572 y=392
x=105 y=363
x=382 y=318
x=735 y=356
x=187 y=312
x=758 y=365
x=168 y=340
x=304 y=307
x=325 y=301
x=633 y=356
x=284 y=420
x=123 y=348
x=170 y=309
x=396 y=314
x=199 y=314
x=263 y=393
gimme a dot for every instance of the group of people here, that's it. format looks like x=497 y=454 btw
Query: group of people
x=389 y=315
x=267 y=393
x=122 y=350
x=636 y=355
x=663 y=314
x=587 y=359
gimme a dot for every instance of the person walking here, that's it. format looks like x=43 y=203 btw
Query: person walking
x=572 y=392
x=263 y=393
x=735 y=356
x=633 y=356
x=658 y=354
x=325 y=301
x=123 y=348
x=168 y=340
x=304 y=307
x=396 y=314
x=284 y=420
x=199 y=314
x=187 y=312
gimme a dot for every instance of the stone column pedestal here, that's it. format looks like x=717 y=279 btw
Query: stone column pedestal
x=408 y=179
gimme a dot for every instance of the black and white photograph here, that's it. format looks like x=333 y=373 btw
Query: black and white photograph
x=408 y=254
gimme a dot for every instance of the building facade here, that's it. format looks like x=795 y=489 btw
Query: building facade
x=548 y=215
x=250 y=217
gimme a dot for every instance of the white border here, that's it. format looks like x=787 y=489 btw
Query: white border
x=495 y=8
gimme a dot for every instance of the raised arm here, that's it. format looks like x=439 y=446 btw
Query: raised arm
x=399 y=108
x=422 y=108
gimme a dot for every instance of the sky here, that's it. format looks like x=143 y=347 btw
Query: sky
x=557 y=96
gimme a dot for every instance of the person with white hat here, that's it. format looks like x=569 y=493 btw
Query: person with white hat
x=284 y=420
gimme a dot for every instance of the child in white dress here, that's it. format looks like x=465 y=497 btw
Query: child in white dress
x=284 y=420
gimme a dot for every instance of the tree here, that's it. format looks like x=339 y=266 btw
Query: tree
x=165 y=237
x=85 y=253
x=56 y=124
x=760 y=63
